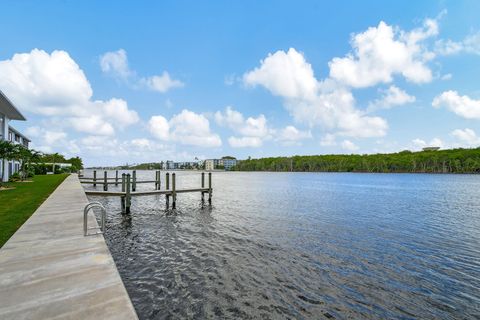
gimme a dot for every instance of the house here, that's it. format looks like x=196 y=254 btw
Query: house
x=9 y=112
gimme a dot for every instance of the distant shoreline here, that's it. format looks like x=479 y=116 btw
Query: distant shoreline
x=427 y=161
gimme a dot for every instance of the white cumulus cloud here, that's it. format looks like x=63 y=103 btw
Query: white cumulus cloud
x=349 y=145
x=162 y=83
x=381 y=52
x=159 y=127
x=463 y=106
x=467 y=137
x=254 y=130
x=292 y=136
x=391 y=97
x=470 y=44
x=419 y=144
x=187 y=127
x=328 y=140
x=285 y=74
x=53 y=85
x=115 y=63
x=328 y=104
x=243 y=142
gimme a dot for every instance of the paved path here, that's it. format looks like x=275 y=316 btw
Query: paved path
x=49 y=270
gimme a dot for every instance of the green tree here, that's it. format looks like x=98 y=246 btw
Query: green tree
x=7 y=153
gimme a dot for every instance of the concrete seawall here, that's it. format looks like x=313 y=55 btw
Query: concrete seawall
x=49 y=270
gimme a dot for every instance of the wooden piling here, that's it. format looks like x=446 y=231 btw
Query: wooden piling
x=127 y=193
x=134 y=180
x=174 y=194
x=128 y=197
x=203 y=186
x=123 y=198
x=116 y=177
x=167 y=186
x=122 y=203
x=210 y=187
x=94 y=178
x=159 y=181
x=105 y=184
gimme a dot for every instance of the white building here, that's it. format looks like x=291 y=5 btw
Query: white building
x=225 y=163
x=228 y=163
x=9 y=112
x=210 y=164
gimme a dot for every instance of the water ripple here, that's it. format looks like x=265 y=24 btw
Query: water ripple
x=303 y=246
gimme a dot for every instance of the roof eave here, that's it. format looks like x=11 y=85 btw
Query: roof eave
x=11 y=111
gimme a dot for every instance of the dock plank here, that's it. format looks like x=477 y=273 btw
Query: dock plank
x=49 y=270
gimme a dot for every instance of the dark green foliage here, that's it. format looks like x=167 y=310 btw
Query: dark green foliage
x=442 y=161
x=76 y=162
x=40 y=168
x=14 y=177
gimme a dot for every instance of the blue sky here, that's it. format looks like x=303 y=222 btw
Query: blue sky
x=118 y=81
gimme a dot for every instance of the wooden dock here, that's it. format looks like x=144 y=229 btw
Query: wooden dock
x=129 y=183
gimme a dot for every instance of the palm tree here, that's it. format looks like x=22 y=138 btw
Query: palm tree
x=26 y=156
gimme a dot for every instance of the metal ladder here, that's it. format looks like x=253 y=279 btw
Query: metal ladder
x=88 y=207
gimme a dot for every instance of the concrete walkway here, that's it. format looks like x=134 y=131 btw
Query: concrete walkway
x=49 y=270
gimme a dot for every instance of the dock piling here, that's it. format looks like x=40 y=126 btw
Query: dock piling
x=128 y=185
x=203 y=186
x=94 y=178
x=105 y=184
x=134 y=180
x=128 y=197
x=210 y=188
x=174 y=194
x=116 y=177
x=122 y=198
x=167 y=187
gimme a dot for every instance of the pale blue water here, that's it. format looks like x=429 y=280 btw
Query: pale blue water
x=304 y=246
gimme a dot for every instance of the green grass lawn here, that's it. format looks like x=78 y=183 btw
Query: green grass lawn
x=17 y=205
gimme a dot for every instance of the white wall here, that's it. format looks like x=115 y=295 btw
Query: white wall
x=4 y=132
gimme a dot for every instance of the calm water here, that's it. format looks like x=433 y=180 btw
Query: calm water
x=303 y=246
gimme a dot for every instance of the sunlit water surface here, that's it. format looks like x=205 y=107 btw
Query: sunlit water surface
x=303 y=246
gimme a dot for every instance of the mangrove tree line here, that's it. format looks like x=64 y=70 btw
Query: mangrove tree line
x=441 y=161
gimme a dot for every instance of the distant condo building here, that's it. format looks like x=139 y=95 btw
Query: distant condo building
x=9 y=112
x=170 y=165
x=226 y=163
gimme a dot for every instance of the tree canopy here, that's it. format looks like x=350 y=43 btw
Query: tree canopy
x=441 y=161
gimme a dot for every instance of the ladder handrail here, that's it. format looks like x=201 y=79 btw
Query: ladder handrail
x=87 y=208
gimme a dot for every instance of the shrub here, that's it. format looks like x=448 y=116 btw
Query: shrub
x=15 y=177
x=40 y=169
x=30 y=172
